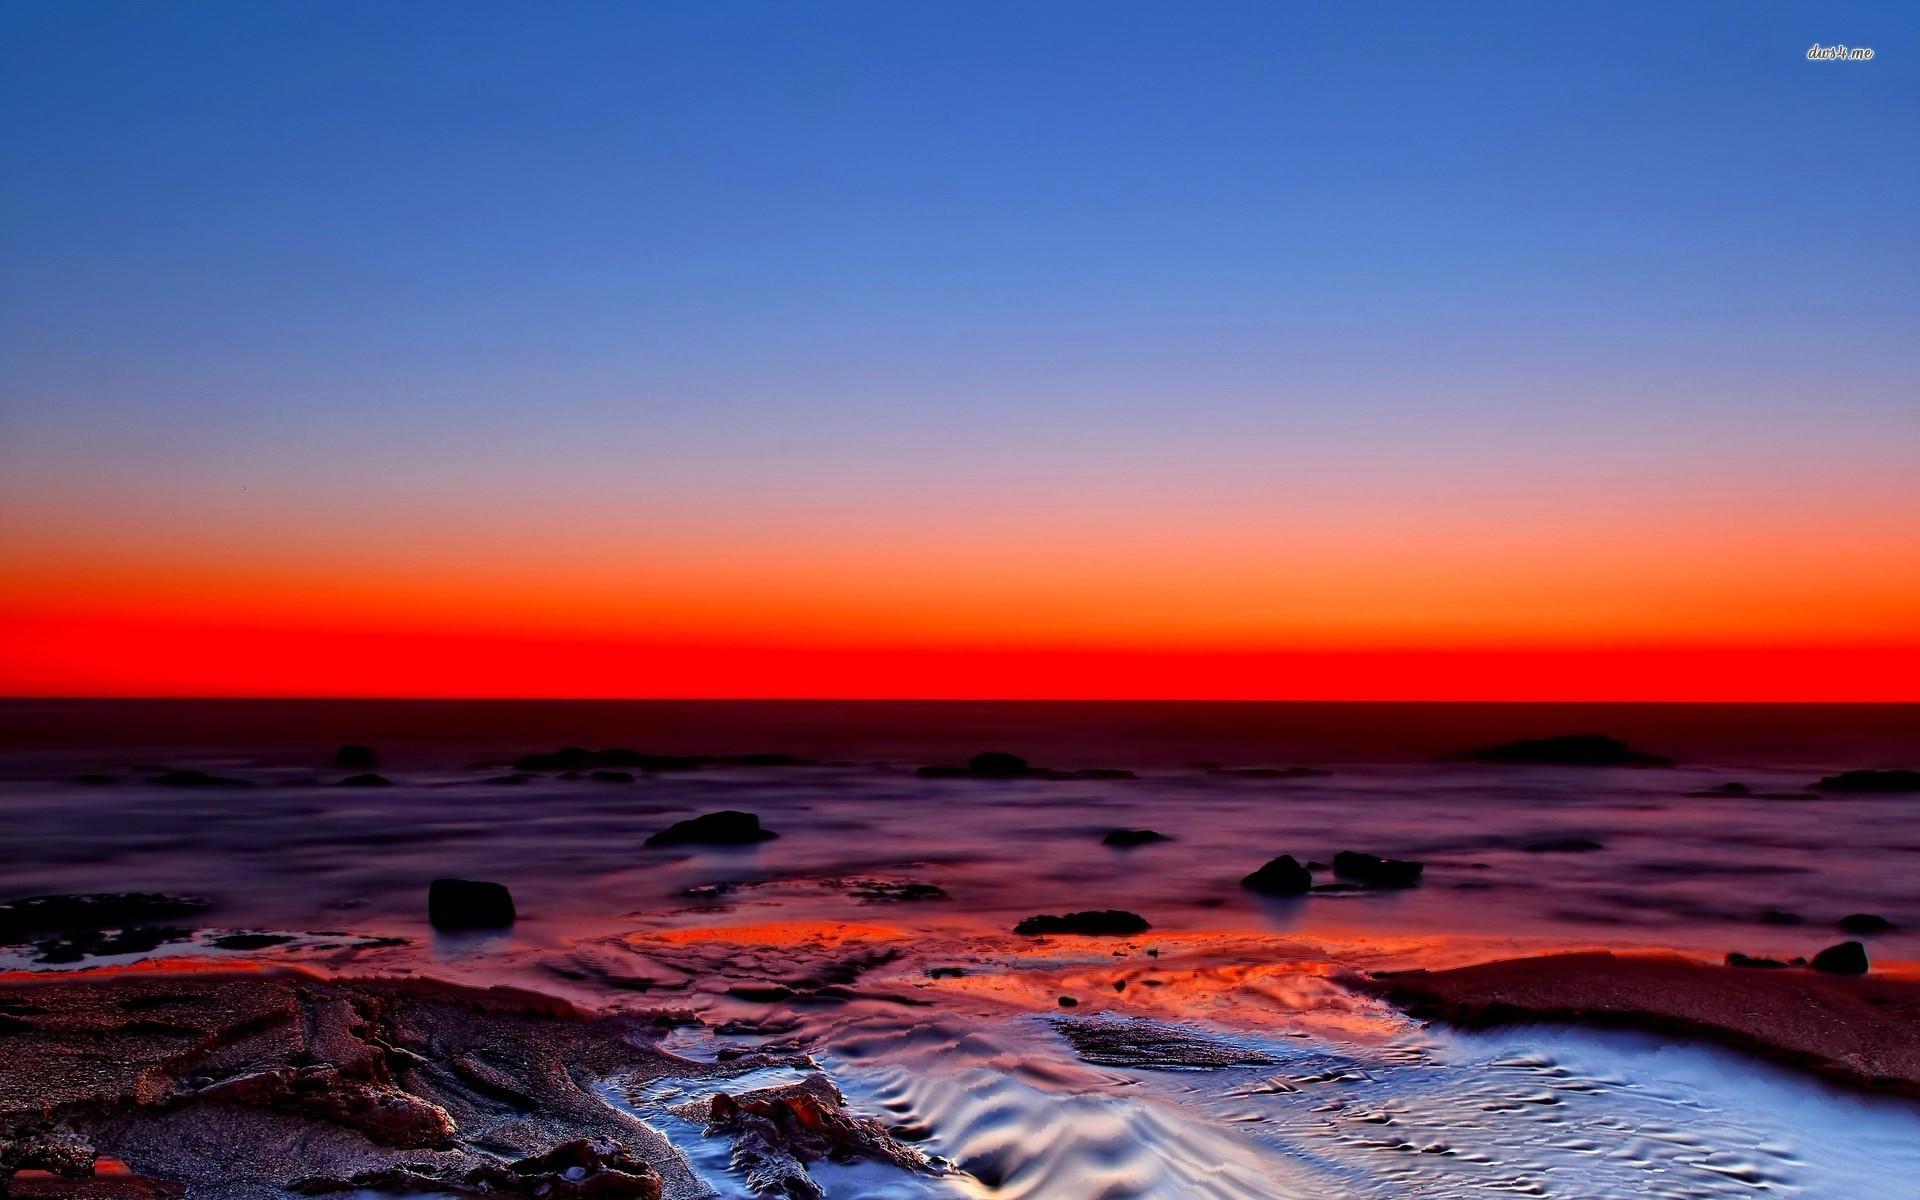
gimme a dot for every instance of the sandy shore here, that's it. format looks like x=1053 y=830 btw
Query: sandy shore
x=1860 y=1031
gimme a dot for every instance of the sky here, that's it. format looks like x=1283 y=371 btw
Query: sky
x=978 y=350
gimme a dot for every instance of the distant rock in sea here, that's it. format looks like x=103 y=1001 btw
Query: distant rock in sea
x=89 y=911
x=1283 y=876
x=612 y=777
x=367 y=780
x=1129 y=838
x=353 y=757
x=198 y=779
x=725 y=828
x=1567 y=750
x=469 y=904
x=1884 y=782
x=1269 y=772
x=1110 y=922
x=1847 y=958
x=996 y=764
x=1563 y=845
x=578 y=758
x=1726 y=789
x=1375 y=871
x=1864 y=923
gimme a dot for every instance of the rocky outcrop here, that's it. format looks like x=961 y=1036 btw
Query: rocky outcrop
x=454 y=904
x=1107 y=922
x=1871 y=782
x=1283 y=876
x=1375 y=871
x=777 y=1131
x=728 y=827
x=1128 y=838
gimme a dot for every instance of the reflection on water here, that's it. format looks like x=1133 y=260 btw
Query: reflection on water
x=931 y=1016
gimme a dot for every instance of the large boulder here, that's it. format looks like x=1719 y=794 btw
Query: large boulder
x=1128 y=838
x=1375 y=871
x=1882 y=782
x=1283 y=876
x=1864 y=923
x=1848 y=958
x=1109 y=922
x=1567 y=750
x=725 y=828
x=469 y=904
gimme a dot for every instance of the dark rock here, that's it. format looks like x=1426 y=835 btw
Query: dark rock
x=1726 y=789
x=90 y=911
x=355 y=758
x=777 y=1131
x=1068 y=1002
x=368 y=780
x=1109 y=1041
x=1881 y=782
x=513 y=780
x=251 y=941
x=893 y=891
x=578 y=758
x=1283 y=876
x=1847 y=958
x=1568 y=750
x=1126 y=838
x=1737 y=959
x=1375 y=871
x=1109 y=922
x=996 y=765
x=612 y=777
x=1774 y=916
x=98 y=943
x=1864 y=923
x=945 y=972
x=1269 y=772
x=725 y=828
x=1565 y=845
x=469 y=904
x=197 y=779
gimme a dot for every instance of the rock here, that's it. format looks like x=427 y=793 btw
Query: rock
x=197 y=779
x=1110 y=1041
x=355 y=758
x=893 y=891
x=1068 y=1002
x=1269 y=772
x=1375 y=871
x=1864 y=923
x=367 y=780
x=469 y=904
x=996 y=765
x=1726 y=789
x=1567 y=750
x=90 y=912
x=1880 y=782
x=1283 y=876
x=1737 y=959
x=514 y=779
x=725 y=828
x=1127 y=838
x=1109 y=922
x=383 y=1113
x=1774 y=916
x=1847 y=958
x=578 y=758
x=612 y=777
x=1565 y=845
x=777 y=1131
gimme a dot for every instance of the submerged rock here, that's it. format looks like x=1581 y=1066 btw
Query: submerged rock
x=354 y=757
x=1375 y=871
x=1128 y=838
x=1108 y=922
x=1726 y=789
x=367 y=780
x=1847 y=958
x=469 y=904
x=995 y=764
x=1752 y=962
x=1567 y=750
x=612 y=777
x=1136 y=1042
x=1864 y=923
x=1565 y=845
x=725 y=828
x=1283 y=876
x=1885 y=782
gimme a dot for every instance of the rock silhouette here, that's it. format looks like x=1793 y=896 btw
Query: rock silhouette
x=198 y=779
x=1847 y=958
x=1565 y=845
x=1567 y=750
x=1887 y=782
x=1128 y=838
x=1283 y=876
x=1109 y=922
x=1864 y=923
x=469 y=904
x=1375 y=871
x=725 y=828
x=367 y=780
x=356 y=758
x=996 y=764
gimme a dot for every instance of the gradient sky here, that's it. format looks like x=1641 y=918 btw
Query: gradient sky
x=880 y=349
